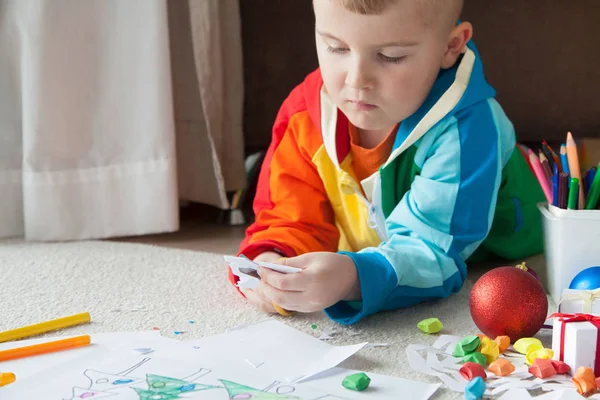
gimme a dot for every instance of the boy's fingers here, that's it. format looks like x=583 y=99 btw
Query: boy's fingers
x=287 y=282
x=254 y=298
x=287 y=300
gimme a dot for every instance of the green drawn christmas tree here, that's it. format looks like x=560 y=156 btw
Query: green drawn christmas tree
x=242 y=392
x=165 y=388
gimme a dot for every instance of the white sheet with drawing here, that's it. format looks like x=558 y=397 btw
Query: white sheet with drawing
x=256 y=360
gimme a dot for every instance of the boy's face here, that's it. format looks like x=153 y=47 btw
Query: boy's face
x=378 y=69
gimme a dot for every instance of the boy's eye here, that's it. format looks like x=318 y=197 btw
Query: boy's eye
x=337 y=50
x=394 y=60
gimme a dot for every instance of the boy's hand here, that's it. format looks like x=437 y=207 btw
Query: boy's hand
x=325 y=279
x=255 y=298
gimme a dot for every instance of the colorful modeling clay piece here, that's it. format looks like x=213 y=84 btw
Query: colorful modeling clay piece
x=503 y=343
x=481 y=337
x=585 y=381
x=357 y=382
x=430 y=325
x=501 y=367
x=471 y=370
x=560 y=367
x=544 y=354
x=542 y=369
x=467 y=345
x=525 y=345
x=475 y=389
x=475 y=357
x=489 y=348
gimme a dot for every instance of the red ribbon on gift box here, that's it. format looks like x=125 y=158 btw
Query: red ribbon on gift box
x=567 y=318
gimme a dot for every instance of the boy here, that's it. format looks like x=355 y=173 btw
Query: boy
x=389 y=167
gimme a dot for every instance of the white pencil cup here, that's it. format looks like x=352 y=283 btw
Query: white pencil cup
x=571 y=244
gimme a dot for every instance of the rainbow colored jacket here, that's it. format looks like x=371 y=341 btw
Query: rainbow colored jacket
x=455 y=187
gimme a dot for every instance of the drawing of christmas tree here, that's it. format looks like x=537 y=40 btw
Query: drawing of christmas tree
x=242 y=392
x=165 y=388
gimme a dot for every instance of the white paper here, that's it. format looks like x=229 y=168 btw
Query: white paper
x=580 y=302
x=130 y=378
x=187 y=366
x=523 y=394
x=418 y=363
x=285 y=352
x=381 y=386
x=26 y=367
x=246 y=270
x=330 y=359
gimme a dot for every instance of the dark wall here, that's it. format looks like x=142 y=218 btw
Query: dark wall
x=542 y=56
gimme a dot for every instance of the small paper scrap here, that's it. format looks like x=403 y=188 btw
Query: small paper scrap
x=544 y=354
x=525 y=345
x=585 y=381
x=357 y=382
x=145 y=350
x=542 y=369
x=430 y=325
x=247 y=270
x=471 y=370
x=490 y=349
x=475 y=357
x=475 y=389
x=377 y=345
x=467 y=345
x=501 y=367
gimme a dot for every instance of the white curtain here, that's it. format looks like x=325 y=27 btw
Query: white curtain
x=88 y=133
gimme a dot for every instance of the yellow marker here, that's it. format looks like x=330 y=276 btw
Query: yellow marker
x=44 y=348
x=7 y=378
x=44 y=327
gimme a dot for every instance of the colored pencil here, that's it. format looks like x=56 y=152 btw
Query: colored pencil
x=574 y=167
x=44 y=348
x=592 y=200
x=573 y=194
x=555 y=156
x=546 y=166
x=564 y=159
x=44 y=327
x=540 y=175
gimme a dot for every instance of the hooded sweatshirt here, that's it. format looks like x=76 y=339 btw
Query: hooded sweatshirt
x=455 y=187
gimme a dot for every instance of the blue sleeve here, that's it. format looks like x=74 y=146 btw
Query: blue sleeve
x=440 y=221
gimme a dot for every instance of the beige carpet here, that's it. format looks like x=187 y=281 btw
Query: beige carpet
x=132 y=287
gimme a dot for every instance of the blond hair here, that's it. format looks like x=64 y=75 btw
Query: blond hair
x=366 y=7
x=432 y=7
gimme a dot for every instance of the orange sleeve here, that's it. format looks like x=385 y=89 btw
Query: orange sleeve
x=293 y=213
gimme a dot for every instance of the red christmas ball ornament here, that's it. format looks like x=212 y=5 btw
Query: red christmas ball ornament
x=508 y=301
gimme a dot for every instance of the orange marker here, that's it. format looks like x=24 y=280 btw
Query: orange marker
x=44 y=348
x=7 y=378
x=574 y=167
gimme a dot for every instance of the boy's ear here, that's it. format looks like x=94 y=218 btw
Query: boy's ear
x=457 y=43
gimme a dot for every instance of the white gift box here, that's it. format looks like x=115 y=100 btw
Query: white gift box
x=580 y=301
x=580 y=341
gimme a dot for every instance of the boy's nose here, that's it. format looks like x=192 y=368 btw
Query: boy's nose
x=358 y=78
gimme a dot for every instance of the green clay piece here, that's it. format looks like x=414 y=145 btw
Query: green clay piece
x=357 y=382
x=430 y=325
x=466 y=346
x=476 y=357
x=314 y=326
